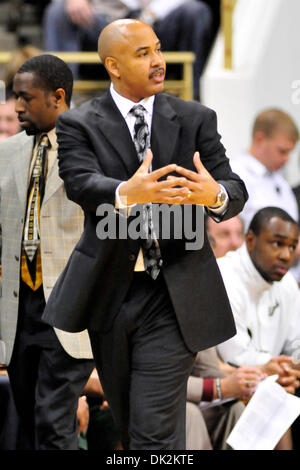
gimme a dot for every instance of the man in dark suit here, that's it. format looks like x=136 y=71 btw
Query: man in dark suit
x=148 y=307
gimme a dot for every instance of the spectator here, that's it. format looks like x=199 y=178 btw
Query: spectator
x=225 y=236
x=181 y=25
x=264 y=297
x=9 y=123
x=274 y=136
x=209 y=428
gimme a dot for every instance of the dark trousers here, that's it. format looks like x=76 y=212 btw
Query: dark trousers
x=9 y=420
x=144 y=365
x=46 y=381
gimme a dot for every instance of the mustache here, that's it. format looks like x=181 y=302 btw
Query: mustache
x=22 y=118
x=156 y=70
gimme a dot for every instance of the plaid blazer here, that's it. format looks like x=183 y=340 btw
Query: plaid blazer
x=61 y=225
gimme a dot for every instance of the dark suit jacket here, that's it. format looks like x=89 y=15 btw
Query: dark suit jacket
x=96 y=153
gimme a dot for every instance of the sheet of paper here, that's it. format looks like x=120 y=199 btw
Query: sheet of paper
x=268 y=415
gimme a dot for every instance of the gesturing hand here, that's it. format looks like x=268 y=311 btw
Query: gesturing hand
x=144 y=187
x=203 y=189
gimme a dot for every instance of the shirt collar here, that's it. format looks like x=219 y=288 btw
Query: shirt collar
x=256 y=166
x=257 y=284
x=125 y=105
x=51 y=136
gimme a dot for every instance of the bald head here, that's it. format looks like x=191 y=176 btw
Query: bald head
x=115 y=37
x=131 y=54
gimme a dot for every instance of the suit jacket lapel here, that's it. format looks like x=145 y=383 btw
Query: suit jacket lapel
x=164 y=133
x=53 y=182
x=22 y=160
x=114 y=128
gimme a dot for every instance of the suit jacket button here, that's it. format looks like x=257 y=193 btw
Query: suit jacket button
x=132 y=257
x=15 y=293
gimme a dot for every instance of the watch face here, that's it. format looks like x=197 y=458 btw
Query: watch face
x=220 y=198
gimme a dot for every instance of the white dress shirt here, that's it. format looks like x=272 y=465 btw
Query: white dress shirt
x=265 y=188
x=267 y=315
x=125 y=105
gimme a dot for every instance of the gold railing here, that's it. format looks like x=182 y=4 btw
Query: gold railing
x=182 y=87
x=227 y=29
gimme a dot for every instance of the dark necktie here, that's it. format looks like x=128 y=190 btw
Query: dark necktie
x=150 y=246
x=31 y=256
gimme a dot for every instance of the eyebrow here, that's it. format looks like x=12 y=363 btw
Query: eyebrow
x=283 y=237
x=146 y=47
x=20 y=93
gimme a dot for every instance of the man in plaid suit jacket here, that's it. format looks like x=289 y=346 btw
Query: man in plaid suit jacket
x=47 y=368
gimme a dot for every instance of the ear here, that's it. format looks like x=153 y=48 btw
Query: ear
x=111 y=65
x=59 y=97
x=250 y=240
x=259 y=137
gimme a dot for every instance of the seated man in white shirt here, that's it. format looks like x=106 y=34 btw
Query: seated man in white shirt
x=274 y=136
x=264 y=297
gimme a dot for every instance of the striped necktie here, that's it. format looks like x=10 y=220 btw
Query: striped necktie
x=150 y=246
x=31 y=271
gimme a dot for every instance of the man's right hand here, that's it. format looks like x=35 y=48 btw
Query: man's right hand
x=241 y=382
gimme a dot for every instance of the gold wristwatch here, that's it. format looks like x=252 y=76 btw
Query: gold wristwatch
x=221 y=197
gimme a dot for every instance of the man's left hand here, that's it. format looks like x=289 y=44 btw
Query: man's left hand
x=203 y=189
